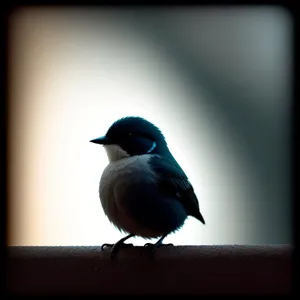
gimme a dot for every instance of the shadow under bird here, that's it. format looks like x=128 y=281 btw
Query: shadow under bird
x=143 y=190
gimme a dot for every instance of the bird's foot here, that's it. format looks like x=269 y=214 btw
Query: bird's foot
x=115 y=248
x=151 y=248
x=106 y=246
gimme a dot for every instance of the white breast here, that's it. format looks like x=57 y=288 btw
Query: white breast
x=122 y=173
x=115 y=152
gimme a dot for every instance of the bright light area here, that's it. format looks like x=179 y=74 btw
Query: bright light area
x=70 y=80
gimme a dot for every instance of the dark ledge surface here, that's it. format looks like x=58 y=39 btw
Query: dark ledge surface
x=233 y=269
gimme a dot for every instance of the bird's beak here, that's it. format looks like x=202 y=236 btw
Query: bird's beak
x=103 y=140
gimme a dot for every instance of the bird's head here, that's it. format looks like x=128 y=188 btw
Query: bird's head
x=132 y=136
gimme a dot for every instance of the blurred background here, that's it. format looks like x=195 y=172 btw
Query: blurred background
x=217 y=81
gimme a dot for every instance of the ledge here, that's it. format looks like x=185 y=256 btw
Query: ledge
x=233 y=269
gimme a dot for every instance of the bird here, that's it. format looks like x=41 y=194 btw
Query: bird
x=143 y=190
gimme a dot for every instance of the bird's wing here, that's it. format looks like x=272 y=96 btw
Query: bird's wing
x=173 y=181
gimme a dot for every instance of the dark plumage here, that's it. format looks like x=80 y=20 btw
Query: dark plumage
x=174 y=182
x=143 y=190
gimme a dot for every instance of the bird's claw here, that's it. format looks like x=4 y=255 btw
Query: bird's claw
x=168 y=245
x=115 y=248
x=157 y=246
x=152 y=247
x=106 y=246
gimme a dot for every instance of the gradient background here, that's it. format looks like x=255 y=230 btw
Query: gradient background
x=217 y=81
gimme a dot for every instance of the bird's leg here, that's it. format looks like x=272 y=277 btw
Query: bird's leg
x=120 y=244
x=158 y=244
